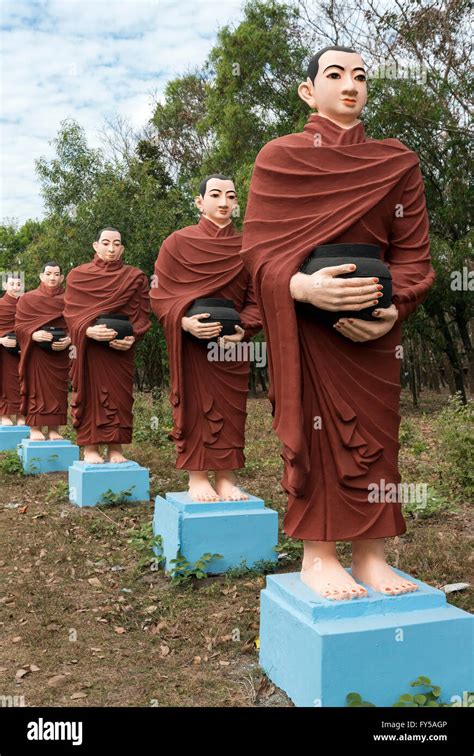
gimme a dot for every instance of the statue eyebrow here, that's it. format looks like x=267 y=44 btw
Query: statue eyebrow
x=335 y=65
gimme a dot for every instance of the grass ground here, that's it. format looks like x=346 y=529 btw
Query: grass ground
x=83 y=624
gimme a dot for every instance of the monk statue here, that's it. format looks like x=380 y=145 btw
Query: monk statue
x=9 y=357
x=44 y=355
x=199 y=268
x=107 y=311
x=335 y=389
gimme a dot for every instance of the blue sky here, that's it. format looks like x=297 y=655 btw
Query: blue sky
x=89 y=61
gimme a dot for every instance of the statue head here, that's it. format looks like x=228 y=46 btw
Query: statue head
x=108 y=244
x=217 y=198
x=336 y=84
x=13 y=285
x=51 y=274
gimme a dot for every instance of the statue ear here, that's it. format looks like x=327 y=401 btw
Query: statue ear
x=306 y=92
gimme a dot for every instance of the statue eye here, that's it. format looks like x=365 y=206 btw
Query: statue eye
x=333 y=75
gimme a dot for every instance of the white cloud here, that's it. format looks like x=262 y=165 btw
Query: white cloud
x=89 y=61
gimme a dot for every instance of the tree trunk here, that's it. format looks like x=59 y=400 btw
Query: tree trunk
x=462 y=324
x=452 y=355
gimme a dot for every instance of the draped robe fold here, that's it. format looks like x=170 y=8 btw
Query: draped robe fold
x=102 y=377
x=335 y=402
x=43 y=374
x=9 y=378
x=209 y=398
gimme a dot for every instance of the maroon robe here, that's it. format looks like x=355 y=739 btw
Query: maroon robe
x=43 y=374
x=102 y=377
x=9 y=379
x=329 y=185
x=209 y=398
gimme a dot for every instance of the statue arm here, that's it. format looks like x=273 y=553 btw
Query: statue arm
x=408 y=254
x=250 y=313
x=142 y=322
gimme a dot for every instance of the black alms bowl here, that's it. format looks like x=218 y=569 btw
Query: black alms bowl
x=117 y=322
x=366 y=257
x=15 y=349
x=220 y=310
x=58 y=333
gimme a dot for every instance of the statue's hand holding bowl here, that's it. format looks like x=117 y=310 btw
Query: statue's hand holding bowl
x=325 y=290
x=123 y=344
x=357 y=329
x=42 y=336
x=200 y=330
x=235 y=338
x=7 y=342
x=101 y=333
x=60 y=344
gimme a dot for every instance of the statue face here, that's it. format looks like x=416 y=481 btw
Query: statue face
x=339 y=91
x=51 y=276
x=219 y=201
x=14 y=287
x=109 y=247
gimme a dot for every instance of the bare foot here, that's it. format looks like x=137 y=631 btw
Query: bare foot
x=323 y=573
x=92 y=456
x=226 y=487
x=115 y=454
x=199 y=487
x=369 y=566
x=20 y=420
x=6 y=421
x=331 y=580
x=54 y=435
x=37 y=435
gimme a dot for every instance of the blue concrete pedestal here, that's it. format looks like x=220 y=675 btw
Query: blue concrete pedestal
x=243 y=532
x=46 y=456
x=319 y=650
x=88 y=483
x=12 y=435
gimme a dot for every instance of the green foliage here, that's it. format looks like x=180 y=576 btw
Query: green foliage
x=10 y=463
x=428 y=699
x=261 y=567
x=152 y=419
x=33 y=466
x=455 y=425
x=407 y=433
x=70 y=177
x=218 y=116
x=58 y=491
x=292 y=548
x=183 y=571
x=434 y=504
x=410 y=437
x=121 y=497
x=356 y=700
x=148 y=546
